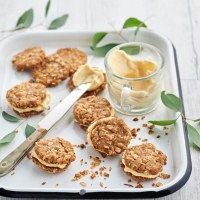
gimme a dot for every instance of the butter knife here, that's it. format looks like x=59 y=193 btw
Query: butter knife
x=12 y=159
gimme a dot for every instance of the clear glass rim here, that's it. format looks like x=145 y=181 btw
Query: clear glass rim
x=139 y=44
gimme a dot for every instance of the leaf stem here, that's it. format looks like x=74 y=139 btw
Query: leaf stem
x=20 y=124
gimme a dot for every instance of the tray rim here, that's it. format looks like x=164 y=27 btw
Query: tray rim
x=118 y=195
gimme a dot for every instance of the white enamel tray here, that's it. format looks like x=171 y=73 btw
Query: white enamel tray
x=27 y=178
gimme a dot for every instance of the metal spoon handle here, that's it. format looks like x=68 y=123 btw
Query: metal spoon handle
x=12 y=159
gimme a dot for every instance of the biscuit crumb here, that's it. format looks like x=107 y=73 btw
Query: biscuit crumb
x=96 y=162
x=110 y=169
x=93 y=176
x=135 y=119
x=144 y=125
x=139 y=186
x=151 y=126
x=158 y=184
x=138 y=129
x=83 y=184
x=142 y=117
x=145 y=140
x=43 y=183
x=82 y=146
x=158 y=136
x=106 y=174
x=133 y=132
x=164 y=176
x=12 y=173
x=129 y=180
x=80 y=174
x=150 y=132
x=101 y=184
x=129 y=185
x=102 y=168
x=57 y=185
x=166 y=133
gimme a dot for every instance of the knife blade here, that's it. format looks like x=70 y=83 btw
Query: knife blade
x=13 y=158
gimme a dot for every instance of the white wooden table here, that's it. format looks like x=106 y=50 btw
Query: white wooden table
x=179 y=20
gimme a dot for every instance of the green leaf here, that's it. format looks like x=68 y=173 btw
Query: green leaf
x=196 y=120
x=101 y=51
x=171 y=101
x=131 y=50
x=29 y=130
x=58 y=22
x=164 y=122
x=25 y=20
x=9 y=117
x=47 y=8
x=194 y=135
x=133 y=22
x=8 y=138
x=97 y=38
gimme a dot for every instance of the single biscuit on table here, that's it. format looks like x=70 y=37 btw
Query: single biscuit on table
x=72 y=56
x=51 y=72
x=110 y=136
x=28 y=99
x=86 y=74
x=28 y=59
x=52 y=155
x=88 y=109
x=143 y=162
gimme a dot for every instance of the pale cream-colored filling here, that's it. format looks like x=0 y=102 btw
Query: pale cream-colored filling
x=61 y=166
x=43 y=106
x=87 y=74
x=133 y=172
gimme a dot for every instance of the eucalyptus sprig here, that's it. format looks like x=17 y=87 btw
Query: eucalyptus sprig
x=26 y=19
x=174 y=103
x=98 y=37
x=11 y=136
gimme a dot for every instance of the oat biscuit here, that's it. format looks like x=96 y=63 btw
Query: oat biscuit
x=89 y=93
x=28 y=99
x=51 y=72
x=110 y=136
x=91 y=108
x=52 y=155
x=73 y=57
x=143 y=162
x=28 y=59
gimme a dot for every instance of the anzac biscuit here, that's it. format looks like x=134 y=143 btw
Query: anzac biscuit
x=91 y=108
x=52 y=155
x=73 y=57
x=143 y=162
x=28 y=99
x=110 y=136
x=28 y=59
x=89 y=93
x=51 y=72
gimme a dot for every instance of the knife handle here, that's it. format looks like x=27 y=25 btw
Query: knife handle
x=13 y=158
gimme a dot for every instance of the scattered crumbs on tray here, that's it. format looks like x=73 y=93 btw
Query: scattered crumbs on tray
x=144 y=125
x=151 y=126
x=164 y=176
x=83 y=184
x=138 y=129
x=150 y=132
x=43 y=183
x=96 y=161
x=142 y=117
x=158 y=184
x=80 y=174
x=81 y=146
x=129 y=180
x=135 y=119
x=139 y=186
x=129 y=185
x=158 y=136
x=106 y=174
x=101 y=184
x=93 y=175
x=145 y=140
x=133 y=132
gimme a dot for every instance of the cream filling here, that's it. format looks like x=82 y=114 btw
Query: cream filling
x=125 y=66
x=133 y=172
x=87 y=74
x=61 y=166
x=43 y=106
